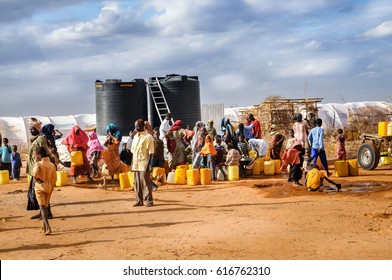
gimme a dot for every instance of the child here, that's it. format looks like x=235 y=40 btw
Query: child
x=340 y=145
x=44 y=173
x=16 y=163
x=125 y=155
x=94 y=153
x=5 y=159
x=314 y=180
x=158 y=158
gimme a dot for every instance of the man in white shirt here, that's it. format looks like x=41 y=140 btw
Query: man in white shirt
x=165 y=126
x=142 y=149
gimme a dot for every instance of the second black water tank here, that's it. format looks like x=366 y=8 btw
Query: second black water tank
x=182 y=94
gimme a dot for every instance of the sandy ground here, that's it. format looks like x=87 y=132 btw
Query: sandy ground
x=254 y=218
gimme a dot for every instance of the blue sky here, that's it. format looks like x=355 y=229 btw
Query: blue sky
x=51 y=52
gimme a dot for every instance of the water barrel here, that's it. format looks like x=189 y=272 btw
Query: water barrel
x=353 y=169
x=205 y=176
x=192 y=177
x=261 y=160
x=180 y=175
x=62 y=178
x=76 y=158
x=4 y=177
x=341 y=168
x=121 y=103
x=256 y=168
x=131 y=178
x=269 y=167
x=124 y=181
x=277 y=166
x=233 y=173
x=182 y=94
x=382 y=128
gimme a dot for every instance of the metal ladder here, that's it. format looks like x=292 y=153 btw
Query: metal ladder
x=158 y=98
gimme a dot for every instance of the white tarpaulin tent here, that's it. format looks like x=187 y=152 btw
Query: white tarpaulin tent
x=16 y=129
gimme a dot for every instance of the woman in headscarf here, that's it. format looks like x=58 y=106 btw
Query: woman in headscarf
x=229 y=136
x=292 y=158
x=276 y=142
x=112 y=154
x=176 y=133
x=48 y=132
x=77 y=140
x=94 y=153
x=196 y=135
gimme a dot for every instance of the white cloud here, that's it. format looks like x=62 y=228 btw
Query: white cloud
x=382 y=30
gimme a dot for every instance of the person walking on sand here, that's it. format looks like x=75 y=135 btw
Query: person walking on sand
x=44 y=173
x=142 y=150
x=316 y=141
x=16 y=163
x=36 y=141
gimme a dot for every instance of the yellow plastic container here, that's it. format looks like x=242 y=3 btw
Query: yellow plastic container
x=190 y=166
x=261 y=160
x=389 y=129
x=252 y=154
x=269 y=167
x=115 y=176
x=382 y=128
x=233 y=173
x=131 y=178
x=124 y=181
x=62 y=178
x=277 y=166
x=156 y=171
x=353 y=167
x=76 y=158
x=4 y=177
x=192 y=177
x=341 y=168
x=124 y=167
x=180 y=175
x=256 y=168
x=205 y=176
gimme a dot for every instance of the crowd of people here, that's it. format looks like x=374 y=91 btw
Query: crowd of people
x=148 y=147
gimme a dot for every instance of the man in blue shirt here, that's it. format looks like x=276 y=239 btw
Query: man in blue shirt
x=316 y=140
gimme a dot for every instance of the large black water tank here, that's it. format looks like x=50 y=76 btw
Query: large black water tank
x=182 y=94
x=121 y=103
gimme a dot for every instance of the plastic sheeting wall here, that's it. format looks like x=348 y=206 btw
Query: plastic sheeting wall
x=213 y=112
x=16 y=129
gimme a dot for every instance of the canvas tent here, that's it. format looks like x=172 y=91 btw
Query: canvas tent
x=16 y=129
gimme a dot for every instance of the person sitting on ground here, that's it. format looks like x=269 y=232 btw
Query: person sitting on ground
x=314 y=180
x=341 y=145
x=44 y=173
x=233 y=156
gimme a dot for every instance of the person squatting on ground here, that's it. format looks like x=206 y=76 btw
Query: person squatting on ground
x=142 y=150
x=292 y=158
x=16 y=163
x=77 y=140
x=44 y=173
x=5 y=157
x=316 y=141
x=315 y=179
x=36 y=141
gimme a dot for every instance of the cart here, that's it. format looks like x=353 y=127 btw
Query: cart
x=372 y=148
